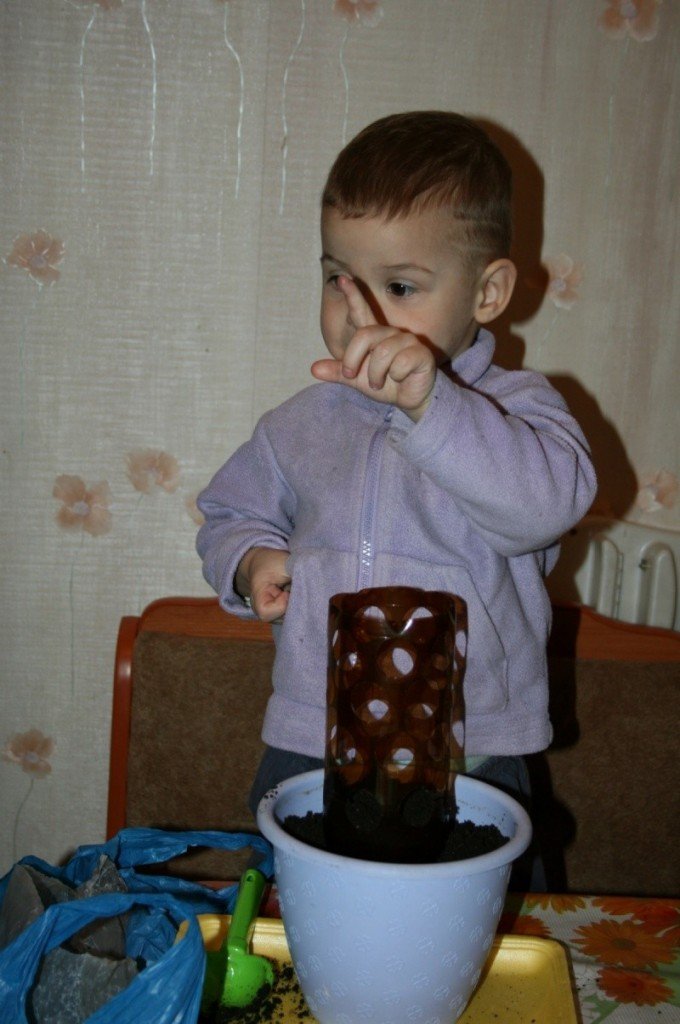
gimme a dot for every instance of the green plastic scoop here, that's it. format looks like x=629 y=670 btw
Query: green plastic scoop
x=233 y=976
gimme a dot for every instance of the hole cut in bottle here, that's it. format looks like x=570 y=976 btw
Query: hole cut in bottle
x=394 y=697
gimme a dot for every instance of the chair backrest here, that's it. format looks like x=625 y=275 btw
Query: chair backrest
x=607 y=793
x=190 y=688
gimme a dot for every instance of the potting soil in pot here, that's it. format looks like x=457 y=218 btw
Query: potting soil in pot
x=464 y=838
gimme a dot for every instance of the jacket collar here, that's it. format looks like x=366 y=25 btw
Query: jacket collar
x=473 y=363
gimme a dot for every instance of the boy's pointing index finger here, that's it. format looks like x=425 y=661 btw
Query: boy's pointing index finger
x=360 y=313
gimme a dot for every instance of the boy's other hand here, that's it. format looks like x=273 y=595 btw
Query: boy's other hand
x=384 y=362
x=262 y=577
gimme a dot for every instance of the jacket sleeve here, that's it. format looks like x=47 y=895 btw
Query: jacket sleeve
x=512 y=458
x=246 y=504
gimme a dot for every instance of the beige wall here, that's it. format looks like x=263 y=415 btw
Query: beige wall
x=173 y=152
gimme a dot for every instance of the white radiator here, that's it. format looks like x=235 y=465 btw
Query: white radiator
x=621 y=569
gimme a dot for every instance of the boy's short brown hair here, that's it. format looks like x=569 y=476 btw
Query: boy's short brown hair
x=427 y=159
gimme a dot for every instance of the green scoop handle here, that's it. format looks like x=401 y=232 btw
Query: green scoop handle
x=233 y=976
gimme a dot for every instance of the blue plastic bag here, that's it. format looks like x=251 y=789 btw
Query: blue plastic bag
x=168 y=989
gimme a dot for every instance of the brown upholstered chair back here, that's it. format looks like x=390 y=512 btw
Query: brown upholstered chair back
x=615 y=777
x=607 y=793
x=190 y=689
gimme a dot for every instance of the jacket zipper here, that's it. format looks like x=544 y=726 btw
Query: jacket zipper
x=369 y=505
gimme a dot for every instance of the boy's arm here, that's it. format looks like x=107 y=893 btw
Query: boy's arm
x=246 y=506
x=512 y=457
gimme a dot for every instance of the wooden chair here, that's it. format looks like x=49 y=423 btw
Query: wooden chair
x=607 y=806
x=191 y=684
x=190 y=688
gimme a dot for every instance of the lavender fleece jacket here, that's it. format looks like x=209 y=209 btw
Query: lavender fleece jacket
x=472 y=500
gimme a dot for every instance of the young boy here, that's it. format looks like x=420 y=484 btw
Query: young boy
x=415 y=460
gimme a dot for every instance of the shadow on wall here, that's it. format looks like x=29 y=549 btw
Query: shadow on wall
x=527 y=245
x=556 y=827
x=617 y=484
x=616 y=479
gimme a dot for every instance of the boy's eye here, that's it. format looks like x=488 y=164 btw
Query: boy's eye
x=332 y=280
x=400 y=289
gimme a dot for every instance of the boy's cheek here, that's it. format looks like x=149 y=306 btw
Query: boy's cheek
x=334 y=328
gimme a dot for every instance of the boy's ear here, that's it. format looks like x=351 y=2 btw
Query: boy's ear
x=496 y=286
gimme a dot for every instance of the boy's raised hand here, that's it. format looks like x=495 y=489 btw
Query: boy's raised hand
x=384 y=362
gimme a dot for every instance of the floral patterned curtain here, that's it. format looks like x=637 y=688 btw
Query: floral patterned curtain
x=161 y=164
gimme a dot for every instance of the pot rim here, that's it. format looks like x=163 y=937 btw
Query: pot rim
x=466 y=790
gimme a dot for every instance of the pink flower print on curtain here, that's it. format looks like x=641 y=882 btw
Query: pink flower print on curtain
x=365 y=13
x=368 y=12
x=148 y=468
x=638 y=19
x=38 y=254
x=30 y=750
x=565 y=279
x=657 y=489
x=86 y=509
x=83 y=508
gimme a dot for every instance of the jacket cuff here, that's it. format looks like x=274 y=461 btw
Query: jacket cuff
x=419 y=442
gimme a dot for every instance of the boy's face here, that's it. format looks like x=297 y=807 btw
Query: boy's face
x=410 y=272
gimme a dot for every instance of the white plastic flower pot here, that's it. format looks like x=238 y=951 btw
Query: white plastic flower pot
x=390 y=943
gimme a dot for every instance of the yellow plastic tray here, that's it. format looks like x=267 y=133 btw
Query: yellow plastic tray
x=525 y=979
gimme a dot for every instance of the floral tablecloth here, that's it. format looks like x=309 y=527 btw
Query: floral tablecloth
x=624 y=952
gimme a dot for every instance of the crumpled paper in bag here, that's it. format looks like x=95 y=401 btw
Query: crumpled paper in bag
x=87 y=971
